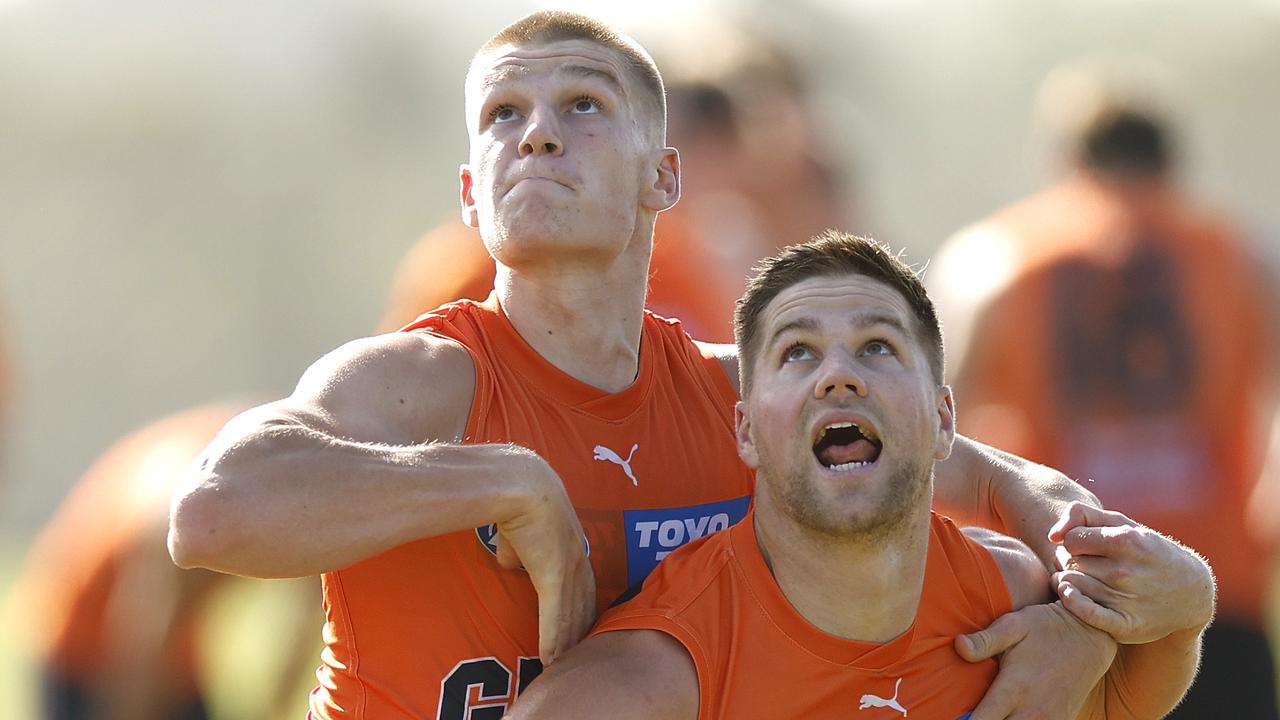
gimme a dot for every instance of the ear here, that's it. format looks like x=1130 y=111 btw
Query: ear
x=470 y=215
x=746 y=446
x=946 y=423
x=665 y=190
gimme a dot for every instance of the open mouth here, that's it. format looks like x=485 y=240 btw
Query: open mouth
x=846 y=446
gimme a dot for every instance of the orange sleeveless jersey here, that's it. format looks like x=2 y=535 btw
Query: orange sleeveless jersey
x=756 y=657
x=1129 y=350
x=436 y=628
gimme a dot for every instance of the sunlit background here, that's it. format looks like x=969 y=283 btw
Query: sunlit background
x=198 y=199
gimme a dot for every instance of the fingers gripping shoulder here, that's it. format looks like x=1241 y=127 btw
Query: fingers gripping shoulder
x=402 y=387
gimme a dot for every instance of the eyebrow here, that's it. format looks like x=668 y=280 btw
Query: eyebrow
x=499 y=75
x=808 y=324
x=591 y=72
x=502 y=74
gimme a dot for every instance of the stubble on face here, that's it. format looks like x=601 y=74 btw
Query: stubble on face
x=798 y=497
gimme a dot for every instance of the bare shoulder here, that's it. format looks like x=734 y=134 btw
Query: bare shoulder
x=398 y=388
x=636 y=674
x=1024 y=575
x=727 y=355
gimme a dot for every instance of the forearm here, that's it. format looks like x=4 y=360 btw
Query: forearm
x=285 y=500
x=984 y=486
x=1148 y=680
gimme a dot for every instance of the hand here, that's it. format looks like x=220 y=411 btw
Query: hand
x=546 y=538
x=1050 y=663
x=1129 y=580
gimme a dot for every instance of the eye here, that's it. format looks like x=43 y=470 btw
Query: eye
x=797 y=352
x=878 y=347
x=585 y=105
x=502 y=113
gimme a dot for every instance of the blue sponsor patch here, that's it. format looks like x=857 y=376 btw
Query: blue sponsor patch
x=653 y=534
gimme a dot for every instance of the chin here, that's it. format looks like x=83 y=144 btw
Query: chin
x=857 y=513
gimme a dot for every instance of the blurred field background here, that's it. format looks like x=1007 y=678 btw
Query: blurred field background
x=199 y=199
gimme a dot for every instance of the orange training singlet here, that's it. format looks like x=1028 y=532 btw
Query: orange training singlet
x=436 y=628
x=1130 y=348
x=756 y=657
x=117 y=510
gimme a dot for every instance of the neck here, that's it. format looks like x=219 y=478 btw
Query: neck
x=858 y=588
x=584 y=318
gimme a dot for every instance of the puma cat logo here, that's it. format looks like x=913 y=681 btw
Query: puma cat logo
x=604 y=453
x=870 y=701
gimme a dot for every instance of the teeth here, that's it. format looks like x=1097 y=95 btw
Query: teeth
x=850 y=465
x=833 y=426
x=841 y=425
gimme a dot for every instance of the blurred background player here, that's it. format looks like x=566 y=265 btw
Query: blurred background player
x=755 y=178
x=1109 y=327
x=116 y=626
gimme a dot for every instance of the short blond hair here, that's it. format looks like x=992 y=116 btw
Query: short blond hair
x=550 y=26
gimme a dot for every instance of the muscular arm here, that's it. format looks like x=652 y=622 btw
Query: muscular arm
x=624 y=675
x=1147 y=681
x=1051 y=663
x=332 y=474
x=1111 y=561
x=363 y=457
x=992 y=488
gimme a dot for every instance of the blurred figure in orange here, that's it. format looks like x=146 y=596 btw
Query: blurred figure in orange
x=448 y=263
x=754 y=180
x=112 y=620
x=1109 y=327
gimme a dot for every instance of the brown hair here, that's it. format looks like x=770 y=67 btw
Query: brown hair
x=550 y=26
x=832 y=253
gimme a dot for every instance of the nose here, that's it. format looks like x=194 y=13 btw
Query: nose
x=541 y=134
x=839 y=374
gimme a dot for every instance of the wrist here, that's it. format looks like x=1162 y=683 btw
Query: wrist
x=525 y=482
x=477 y=484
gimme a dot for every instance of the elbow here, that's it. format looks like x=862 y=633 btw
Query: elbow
x=218 y=517
x=197 y=529
x=207 y=527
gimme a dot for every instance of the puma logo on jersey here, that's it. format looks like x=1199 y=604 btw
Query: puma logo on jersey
x=870 y=701
x=604 y=453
